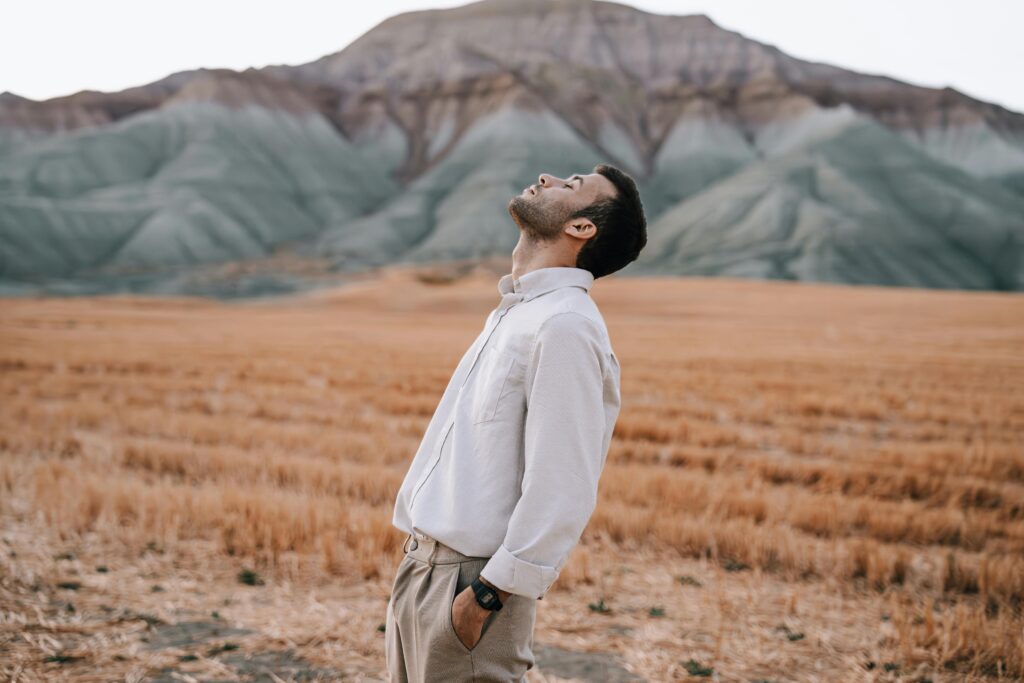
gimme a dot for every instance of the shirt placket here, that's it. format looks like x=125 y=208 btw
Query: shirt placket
x=507 y=303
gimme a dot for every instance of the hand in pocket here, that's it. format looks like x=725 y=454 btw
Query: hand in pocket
x=467 y=618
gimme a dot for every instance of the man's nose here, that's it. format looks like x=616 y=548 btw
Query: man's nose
x=547 y=180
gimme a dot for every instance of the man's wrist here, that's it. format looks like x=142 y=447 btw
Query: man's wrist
x=502 y=595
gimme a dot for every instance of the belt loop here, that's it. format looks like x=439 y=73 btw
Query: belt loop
x=433 y=552
x=406 y=543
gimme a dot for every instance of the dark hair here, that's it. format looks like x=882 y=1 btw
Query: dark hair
x=621 y=226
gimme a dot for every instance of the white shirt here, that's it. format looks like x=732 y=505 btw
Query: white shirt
x=509 y=465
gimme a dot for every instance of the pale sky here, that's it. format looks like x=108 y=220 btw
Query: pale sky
x=57 y=47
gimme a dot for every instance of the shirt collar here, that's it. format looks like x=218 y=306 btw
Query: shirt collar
x=543 y=280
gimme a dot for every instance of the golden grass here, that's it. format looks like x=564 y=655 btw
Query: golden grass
x=864 y=438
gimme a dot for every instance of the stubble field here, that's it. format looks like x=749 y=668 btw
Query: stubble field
x=806 y=483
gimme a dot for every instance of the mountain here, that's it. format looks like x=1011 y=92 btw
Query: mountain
x=406 y=145
x=861 y=206
x=227 y=166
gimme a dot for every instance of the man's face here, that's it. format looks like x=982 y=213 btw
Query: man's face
x=543 y=209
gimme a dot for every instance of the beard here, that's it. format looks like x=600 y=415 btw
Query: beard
x=540 y=223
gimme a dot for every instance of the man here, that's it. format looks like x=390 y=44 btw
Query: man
x=506 y=476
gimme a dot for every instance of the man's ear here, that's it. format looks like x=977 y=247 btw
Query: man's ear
x=582 y=228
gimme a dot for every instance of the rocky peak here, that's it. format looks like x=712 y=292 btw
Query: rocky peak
x=239 y=89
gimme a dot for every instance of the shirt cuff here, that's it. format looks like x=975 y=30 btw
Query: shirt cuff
x=509 y=573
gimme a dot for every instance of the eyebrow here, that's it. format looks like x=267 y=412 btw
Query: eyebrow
x=579 y=177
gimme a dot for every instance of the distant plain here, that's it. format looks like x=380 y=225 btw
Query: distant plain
x=807 y=482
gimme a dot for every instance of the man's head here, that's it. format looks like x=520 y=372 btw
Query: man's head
x=599 y=215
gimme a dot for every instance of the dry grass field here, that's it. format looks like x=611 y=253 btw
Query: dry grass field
x=806 y=483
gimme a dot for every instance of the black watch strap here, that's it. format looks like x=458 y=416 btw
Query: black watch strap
x=486 y=596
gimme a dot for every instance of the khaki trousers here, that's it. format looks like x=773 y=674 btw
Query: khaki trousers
x=420 y=643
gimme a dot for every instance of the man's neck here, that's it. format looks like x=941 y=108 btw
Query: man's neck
x=528 y=256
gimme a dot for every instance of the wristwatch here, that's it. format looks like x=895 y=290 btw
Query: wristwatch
x=486 y=596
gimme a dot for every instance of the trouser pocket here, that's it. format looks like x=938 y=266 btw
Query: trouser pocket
x=505 y=649
x=464 y=575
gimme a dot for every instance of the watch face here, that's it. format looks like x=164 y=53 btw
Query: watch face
x=486 y=596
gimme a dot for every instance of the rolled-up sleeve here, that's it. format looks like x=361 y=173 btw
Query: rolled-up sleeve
x=564 y=448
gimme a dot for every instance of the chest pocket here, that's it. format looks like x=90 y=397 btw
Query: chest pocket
x=493 y=379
